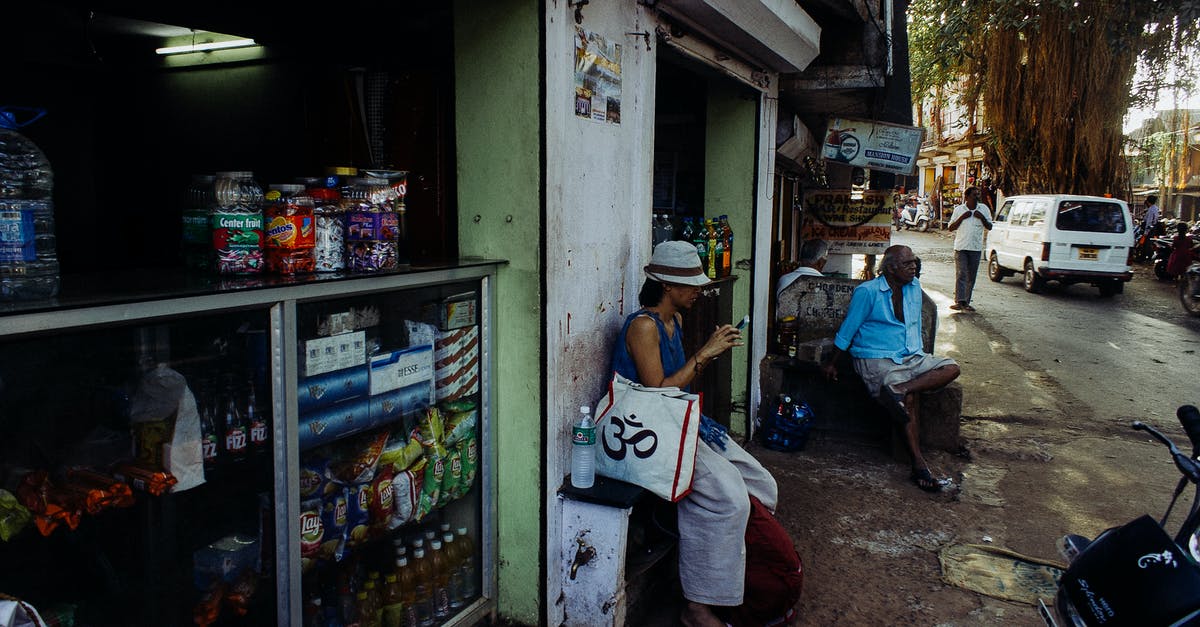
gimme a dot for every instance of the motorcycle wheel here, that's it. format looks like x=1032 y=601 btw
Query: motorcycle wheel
x=1189 y=293
x=923 y=226
x=1160 y=270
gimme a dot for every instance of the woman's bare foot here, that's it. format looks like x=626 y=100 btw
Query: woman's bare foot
x=699 y=615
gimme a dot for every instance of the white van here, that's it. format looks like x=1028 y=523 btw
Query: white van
x=1064 y=238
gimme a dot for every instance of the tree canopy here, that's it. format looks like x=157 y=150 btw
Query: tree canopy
x=1055 y=79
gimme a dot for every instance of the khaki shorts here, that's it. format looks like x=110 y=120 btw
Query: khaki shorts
x=877 y=373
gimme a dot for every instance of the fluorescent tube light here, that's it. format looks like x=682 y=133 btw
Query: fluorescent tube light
x=206 y=46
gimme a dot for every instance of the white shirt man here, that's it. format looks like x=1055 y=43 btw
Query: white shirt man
x=813 y=255
x=1152 y=212
x=968 y=221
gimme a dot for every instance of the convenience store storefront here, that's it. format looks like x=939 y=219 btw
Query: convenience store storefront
x=478 y=102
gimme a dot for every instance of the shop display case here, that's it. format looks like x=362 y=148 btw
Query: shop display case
x=265 y=401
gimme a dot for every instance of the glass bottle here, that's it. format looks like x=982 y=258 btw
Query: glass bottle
x=236 y=438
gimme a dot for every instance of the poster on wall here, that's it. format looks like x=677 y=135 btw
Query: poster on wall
x=597 y=77
x=874 y=145
x=854 y=223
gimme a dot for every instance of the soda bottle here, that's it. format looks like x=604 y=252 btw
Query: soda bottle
x=687 y=233
x=583 y=450
x=454 y=566
x=423 y=585
x=406 y=578
x=362 y=610
x=393 y=604
x=372 y=611
x=257 y=423
x=441 y=582
x=710 y=248
x=236 y=438
x=210 y=437
x=727 y=235
x=700 y=239
x=466 y=550
x=28 y=252
x=718 y=252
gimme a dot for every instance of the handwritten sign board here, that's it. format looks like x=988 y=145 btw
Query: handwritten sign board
x=852 y=224
x=874 y=145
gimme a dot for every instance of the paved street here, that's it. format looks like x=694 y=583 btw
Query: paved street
x=1050 y=384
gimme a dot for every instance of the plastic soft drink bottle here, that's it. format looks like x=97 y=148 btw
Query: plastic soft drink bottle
x=454 y=565
x=718 y=252
x=700 y=240
x=441 y=582
x=423 y=584
x=372 y=614
x=583 y=450
x=467 y=550
x=710 y=248
x=392 y=605
x=28 y=252
x=408 y=593
x=727 y=237
x=687 y=232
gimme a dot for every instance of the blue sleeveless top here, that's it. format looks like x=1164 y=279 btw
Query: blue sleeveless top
x=670 y=351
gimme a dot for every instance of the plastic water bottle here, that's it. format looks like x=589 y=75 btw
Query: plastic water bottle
x=583 y=450
x=28 y=253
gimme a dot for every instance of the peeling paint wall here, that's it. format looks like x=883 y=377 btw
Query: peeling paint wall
x=598 y=196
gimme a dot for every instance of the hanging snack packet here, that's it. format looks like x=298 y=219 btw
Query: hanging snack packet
x=460 y=422
x=358 y=513
x=312 y=476
x=431 y=429
x=333 y=519
x=469 y=449
x=452 y=477
x=406 y=494
x=403 y=449
x=355 y=461
x=13 y=516
x=312 y=532
x=382 y=501
x=431 y=488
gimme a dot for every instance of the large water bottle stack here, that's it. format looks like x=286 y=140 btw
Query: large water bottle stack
x=28 y=253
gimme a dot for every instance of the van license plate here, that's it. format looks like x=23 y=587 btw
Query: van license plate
x=1089 y=253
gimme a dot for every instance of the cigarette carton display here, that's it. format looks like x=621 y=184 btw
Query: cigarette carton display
x=336 y=421
x=332 y=387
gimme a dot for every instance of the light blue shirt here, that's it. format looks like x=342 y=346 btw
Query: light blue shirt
x=871 y=330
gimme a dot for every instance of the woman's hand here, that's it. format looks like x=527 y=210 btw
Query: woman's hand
x=724 y=338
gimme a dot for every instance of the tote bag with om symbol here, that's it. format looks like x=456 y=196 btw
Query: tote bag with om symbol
x=648 y=437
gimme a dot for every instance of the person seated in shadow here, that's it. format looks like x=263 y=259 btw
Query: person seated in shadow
x=882 y=333
x=813 y=255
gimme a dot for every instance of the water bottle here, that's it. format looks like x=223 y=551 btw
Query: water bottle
x=583 y=450
x=28 y=253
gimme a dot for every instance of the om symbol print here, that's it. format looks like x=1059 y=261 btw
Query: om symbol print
x=637 y=438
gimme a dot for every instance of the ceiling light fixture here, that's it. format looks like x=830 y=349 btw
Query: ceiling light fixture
x=207 y=46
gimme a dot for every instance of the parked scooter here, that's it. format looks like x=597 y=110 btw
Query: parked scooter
x=919 y=217
x=1189 y=289
x=1161 y=248
x=1136 y=574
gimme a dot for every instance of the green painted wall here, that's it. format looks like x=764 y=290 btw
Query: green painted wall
x=497 y=94
x=729 y=189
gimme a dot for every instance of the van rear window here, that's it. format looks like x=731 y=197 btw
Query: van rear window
x=1090 y=216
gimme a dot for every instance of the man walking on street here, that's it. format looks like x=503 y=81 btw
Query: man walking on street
x=1152 y=212
x=969 y=221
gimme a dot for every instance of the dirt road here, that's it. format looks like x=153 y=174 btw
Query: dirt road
x=1050 y=383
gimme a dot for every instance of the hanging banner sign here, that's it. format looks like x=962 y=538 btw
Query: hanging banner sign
x=874 y=145
x=854 y=223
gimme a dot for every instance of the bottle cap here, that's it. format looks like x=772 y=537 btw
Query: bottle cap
x=391 y=578
x=447 y=537
x=585 y=409
x=436 y=545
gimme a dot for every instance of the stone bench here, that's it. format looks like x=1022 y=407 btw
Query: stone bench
x=843 y=408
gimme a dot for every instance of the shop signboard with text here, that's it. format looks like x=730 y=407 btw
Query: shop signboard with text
x=854 y=222
x=873 y=145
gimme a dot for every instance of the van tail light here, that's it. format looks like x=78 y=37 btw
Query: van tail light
x=1045 y=251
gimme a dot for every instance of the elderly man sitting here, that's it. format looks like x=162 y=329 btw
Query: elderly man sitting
x=813 y=255
x=882 y=332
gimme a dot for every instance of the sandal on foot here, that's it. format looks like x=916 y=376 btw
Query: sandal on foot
x=925 y=480
x=894 y=404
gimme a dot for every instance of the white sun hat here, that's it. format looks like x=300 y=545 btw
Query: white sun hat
x=676 y=262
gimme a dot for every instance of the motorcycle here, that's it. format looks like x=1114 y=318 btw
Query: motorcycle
x=1161 y=248
x=1189 y=289
x=918 y=218
x=1137 y=574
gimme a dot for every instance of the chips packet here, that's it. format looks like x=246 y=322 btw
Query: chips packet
x=469 y=449
x=451 y=477
x=13 y=516
x=406 y=494
x=431 y=487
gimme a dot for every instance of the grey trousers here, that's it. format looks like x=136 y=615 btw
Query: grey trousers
x=712 y=522
x=966 y=267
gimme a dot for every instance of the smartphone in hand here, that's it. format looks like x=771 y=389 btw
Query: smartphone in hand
x=745 y=320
